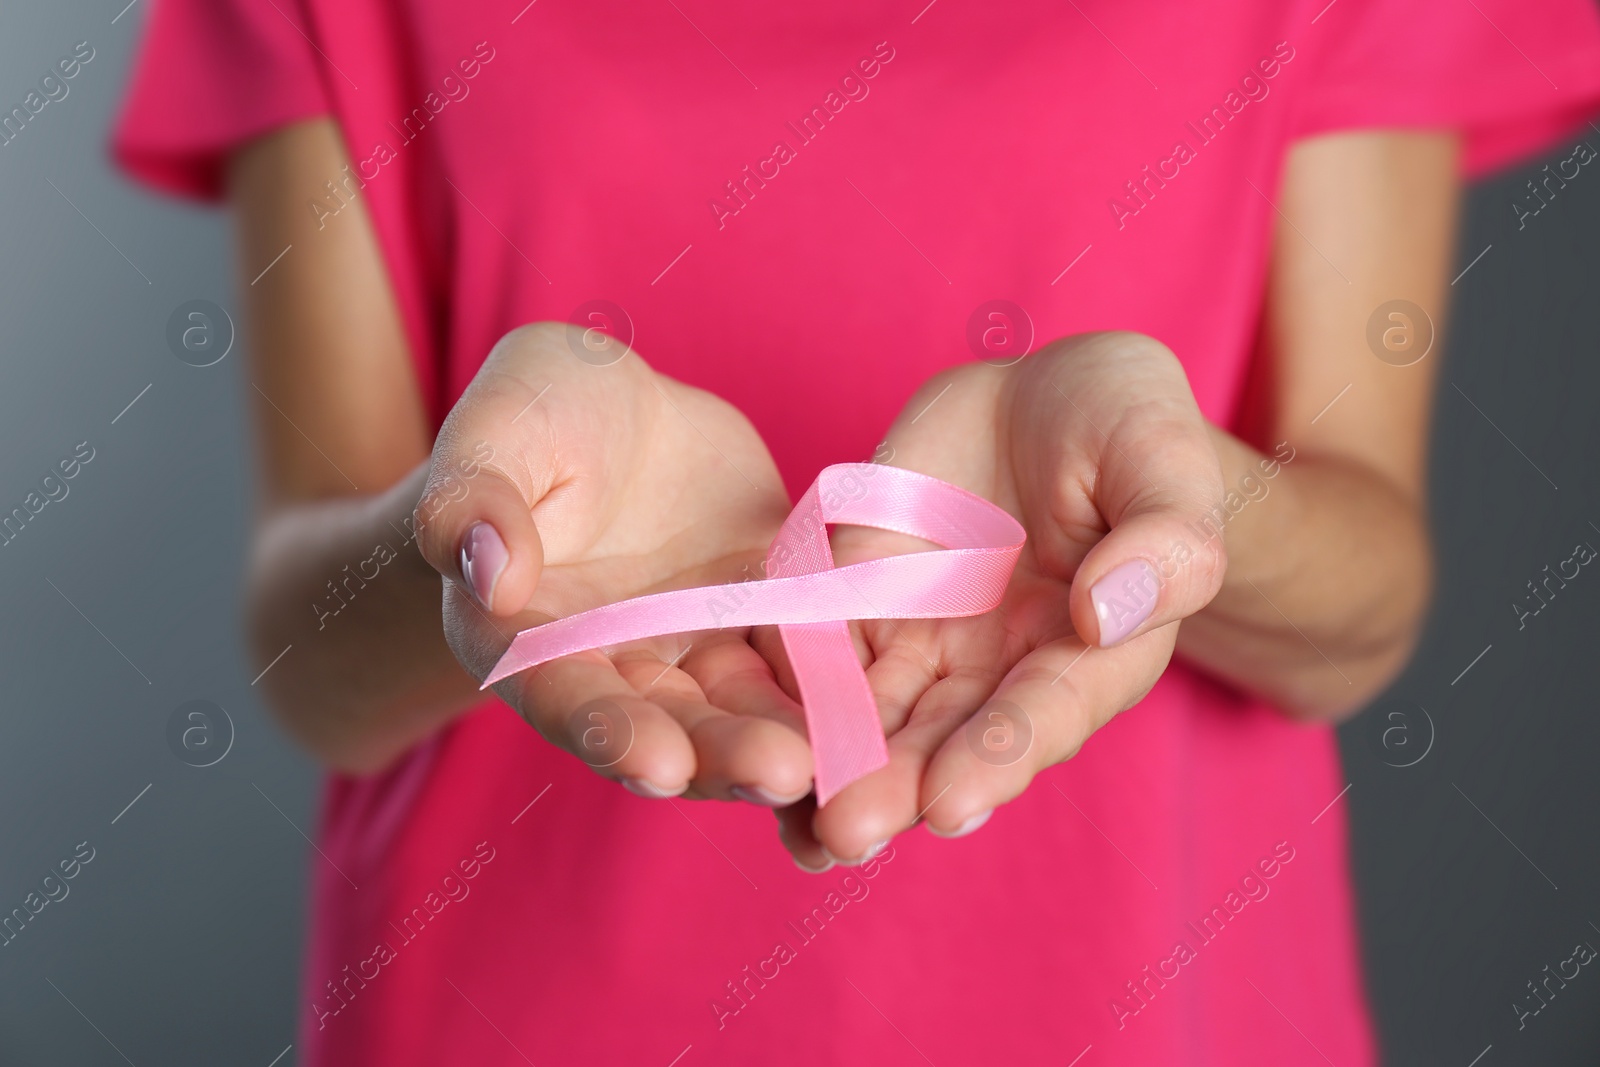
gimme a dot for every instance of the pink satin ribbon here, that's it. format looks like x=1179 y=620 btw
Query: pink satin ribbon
x=811 y=600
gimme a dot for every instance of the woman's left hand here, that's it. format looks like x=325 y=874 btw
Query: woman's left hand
x=1097 y=446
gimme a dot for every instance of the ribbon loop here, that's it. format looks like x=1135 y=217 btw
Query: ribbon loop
x=812 y=601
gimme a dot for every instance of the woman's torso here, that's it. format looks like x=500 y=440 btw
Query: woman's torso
x=932 y=162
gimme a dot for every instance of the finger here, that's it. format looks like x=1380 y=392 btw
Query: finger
x=1130 y=467
x=734 y=677
x=751 y=753
x=892 y=654
x=1155 y=567
x=582 y=704
x=1041 y=715
x=474 y=521
x=1158 y=485
x=900 y=676
x=794 y=831
x=897 y=671
x=867 y=813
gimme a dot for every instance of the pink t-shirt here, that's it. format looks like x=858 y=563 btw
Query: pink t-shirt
x=800 y=208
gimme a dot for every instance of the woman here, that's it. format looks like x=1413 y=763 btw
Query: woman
x=805 y=221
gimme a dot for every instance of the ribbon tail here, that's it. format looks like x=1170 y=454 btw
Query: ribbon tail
x=842 y=721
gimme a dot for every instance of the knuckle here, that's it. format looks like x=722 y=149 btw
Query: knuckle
x=1210 y=566
x=423 y=525
x=504 y=369
x=945 y=379
x=534 y=337
x=1113 y=345
x=475 y=646
x=1138 y=353
x=419 y=527
x=434 y=502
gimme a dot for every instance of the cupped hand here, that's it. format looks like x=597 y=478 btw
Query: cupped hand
x=1097 y=446
x=571 y=475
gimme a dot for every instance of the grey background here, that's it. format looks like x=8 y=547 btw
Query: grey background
x=179 y=942
x=1457 y=915
x=181 y=939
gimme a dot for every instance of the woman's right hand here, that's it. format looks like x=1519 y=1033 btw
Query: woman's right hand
x=561 y=483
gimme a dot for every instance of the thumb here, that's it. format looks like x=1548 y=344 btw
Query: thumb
x=1159 y=564
x=492 y=463
x=475 y=527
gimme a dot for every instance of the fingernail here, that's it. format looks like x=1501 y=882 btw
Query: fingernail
x=762 y=798
x=965 y=828
x=859 y=860
x=1123 y=598
x=643 y=788
x=483 y=558
x=828 y=866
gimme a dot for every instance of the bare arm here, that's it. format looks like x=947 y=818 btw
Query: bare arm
x=1097 y=444
x=1329 y=573
x=343 y=441
x=588 y=495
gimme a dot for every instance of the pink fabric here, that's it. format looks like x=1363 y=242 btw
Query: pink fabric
x=967 y=152
x=811 y=600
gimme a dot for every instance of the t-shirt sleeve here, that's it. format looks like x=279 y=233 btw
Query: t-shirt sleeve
x=209 y=76
x=1510 y=76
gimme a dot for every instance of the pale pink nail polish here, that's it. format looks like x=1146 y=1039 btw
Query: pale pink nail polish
x=1123 y=598
x=760 y=796
x=871 y=852
x=483 y=558
x=649 y=790
x=965 y=828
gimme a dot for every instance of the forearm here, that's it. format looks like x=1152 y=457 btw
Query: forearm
x=1329 y=573
x=347 y=614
